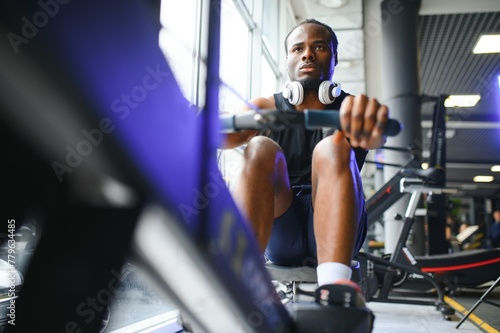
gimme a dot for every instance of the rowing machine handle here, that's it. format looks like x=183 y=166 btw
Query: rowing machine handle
x=278 y=120
x=317 y=119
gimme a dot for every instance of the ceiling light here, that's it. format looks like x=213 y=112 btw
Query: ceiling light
x=483 y=179
x=487 y=44
x=333 y=3
x=449 y=134
x=495 y=168
x=461 y=101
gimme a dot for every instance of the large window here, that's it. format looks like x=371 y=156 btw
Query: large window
x=178 y=41
x=270 y=31
x=234 y=57
x=251 y=52
x=250 y=55
x=268 y=82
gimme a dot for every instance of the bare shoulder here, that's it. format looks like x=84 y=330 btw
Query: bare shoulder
x=263 y=102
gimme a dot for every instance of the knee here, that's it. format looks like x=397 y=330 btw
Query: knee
x=263 y=153
x=332 y=155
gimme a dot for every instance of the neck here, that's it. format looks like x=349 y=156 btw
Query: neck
x=310 y=101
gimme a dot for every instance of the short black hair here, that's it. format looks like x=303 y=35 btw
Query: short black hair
x=326 y=26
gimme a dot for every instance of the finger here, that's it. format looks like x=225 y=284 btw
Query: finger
x=345 y=115
x=382 y=118
x=376 y=137
x=370 y=117
x=357 y=117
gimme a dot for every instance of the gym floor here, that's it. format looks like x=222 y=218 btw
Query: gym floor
x=139 y=306
x=392 y=317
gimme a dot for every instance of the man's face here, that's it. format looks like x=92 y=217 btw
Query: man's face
x=310 y=58
x=496 y=215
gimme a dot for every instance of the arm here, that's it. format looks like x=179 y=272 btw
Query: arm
x=233 y=140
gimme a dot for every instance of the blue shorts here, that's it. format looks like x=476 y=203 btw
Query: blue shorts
x=292 y=241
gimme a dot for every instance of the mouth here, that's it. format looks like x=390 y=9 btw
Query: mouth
x=308 y=68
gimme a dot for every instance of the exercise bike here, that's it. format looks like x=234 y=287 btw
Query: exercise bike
x=388 y=275
x=401 y=271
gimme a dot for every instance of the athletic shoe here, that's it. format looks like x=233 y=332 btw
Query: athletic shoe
x=345 y=293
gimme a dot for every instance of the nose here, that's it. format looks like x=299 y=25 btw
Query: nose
x=308 y=53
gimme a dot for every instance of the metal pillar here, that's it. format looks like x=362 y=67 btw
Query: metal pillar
x=401 y=91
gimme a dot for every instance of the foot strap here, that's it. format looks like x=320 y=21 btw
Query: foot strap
x=339 y=295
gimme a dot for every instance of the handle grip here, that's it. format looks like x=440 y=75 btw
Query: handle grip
x=319 y=119
x=277 y=120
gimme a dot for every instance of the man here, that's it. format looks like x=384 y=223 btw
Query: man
x=323 y=224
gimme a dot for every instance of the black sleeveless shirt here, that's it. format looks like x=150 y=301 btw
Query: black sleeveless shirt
x=298 y=143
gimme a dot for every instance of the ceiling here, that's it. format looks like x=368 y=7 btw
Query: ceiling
x=448 y=31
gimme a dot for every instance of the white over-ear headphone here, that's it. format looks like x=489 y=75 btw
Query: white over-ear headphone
x=327 y=92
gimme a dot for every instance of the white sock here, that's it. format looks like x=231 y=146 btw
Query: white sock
x=329 y=272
